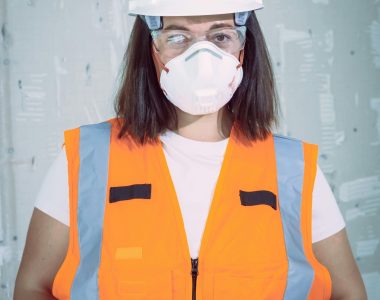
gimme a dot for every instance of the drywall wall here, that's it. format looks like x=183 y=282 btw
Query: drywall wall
x=59 y=61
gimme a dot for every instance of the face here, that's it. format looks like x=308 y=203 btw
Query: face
x=196 y=25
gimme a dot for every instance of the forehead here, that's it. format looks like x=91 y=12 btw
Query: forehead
x=198 y=22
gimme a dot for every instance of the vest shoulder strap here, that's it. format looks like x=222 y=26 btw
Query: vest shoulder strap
x=87 y=147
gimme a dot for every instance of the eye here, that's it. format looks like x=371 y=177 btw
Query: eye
x=222 y=38
x=176 y=39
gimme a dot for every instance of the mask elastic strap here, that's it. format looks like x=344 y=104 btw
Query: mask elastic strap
x=159 y=66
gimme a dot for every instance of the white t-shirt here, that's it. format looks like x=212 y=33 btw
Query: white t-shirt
x=194 y=168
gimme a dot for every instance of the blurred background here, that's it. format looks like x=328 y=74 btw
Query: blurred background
x=59 y=66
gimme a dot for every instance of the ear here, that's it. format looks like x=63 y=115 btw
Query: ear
x=241 y=59
x=158 y=65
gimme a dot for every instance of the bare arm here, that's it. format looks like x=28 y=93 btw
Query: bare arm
x=336 y=255
x=45 y=250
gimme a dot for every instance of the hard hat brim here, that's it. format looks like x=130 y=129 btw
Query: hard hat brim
x=189 y=8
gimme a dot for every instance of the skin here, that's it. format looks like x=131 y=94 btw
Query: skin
x=45 y=251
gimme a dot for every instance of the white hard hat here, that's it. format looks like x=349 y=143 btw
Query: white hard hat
x=191 y=7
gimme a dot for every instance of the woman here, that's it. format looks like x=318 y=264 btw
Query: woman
x=193 y=130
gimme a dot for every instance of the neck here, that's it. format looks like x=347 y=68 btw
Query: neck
x=207 y=128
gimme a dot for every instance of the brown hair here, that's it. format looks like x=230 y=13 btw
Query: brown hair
x=144 y=112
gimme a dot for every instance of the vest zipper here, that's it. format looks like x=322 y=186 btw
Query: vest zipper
x=194 y=274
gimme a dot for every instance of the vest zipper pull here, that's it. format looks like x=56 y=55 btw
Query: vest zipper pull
x=194 y=274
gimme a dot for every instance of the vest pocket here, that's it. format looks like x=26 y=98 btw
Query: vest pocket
x=258 y=198
x=130 y=192
x=263 y=287
x=145 y=285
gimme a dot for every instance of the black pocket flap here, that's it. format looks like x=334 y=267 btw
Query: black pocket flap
x=129 y=192
x=257 y=198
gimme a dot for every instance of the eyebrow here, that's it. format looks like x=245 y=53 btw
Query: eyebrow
x=184 y=28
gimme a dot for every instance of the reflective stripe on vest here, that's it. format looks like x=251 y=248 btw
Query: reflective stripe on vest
x=290 y=167
x=93 y=174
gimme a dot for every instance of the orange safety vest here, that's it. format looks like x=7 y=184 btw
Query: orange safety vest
x=128 y=240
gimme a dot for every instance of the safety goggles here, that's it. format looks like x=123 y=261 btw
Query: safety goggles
x=172 y=43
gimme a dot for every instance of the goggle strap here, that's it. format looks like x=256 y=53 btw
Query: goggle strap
x=153 y=22
x=241 y=18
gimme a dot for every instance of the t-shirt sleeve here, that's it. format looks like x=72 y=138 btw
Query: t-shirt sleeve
x=326 y=216
x=53 y=196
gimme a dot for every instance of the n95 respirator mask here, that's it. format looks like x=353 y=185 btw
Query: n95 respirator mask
x=202 y=79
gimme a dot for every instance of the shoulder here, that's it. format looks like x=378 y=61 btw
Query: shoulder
x=290 y=140
x=290 y=146
x=285 y=137
x=106 y=124
x=90 y=132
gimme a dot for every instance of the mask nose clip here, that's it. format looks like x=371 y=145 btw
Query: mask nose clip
x=203 y=50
